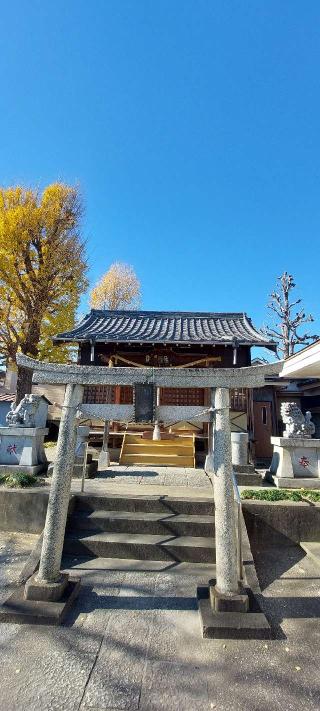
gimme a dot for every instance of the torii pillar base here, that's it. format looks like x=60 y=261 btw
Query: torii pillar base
x=230 y=624
x=43 y=610
x=228 y=603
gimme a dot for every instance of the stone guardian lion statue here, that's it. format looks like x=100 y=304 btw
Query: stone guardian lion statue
x=297 y=424
x=23 y=415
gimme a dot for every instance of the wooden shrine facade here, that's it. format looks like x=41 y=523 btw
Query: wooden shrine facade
x=140 y=339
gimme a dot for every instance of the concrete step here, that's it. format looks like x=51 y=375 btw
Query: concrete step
x=159 y=448
x=86 y=563
x=161 y=459
x=142 y=522
x=137 y=439
x=312 y=549
x=198 y=505
x=142 y=547
x=165 y=452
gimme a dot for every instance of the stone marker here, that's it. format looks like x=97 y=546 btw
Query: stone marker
x=239 y=444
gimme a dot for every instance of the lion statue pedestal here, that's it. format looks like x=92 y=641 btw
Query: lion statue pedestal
x=21 y=442
x=296 y=456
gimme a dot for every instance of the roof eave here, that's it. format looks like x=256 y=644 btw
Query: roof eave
x=250 y=344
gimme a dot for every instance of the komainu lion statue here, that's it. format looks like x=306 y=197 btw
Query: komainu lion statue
x=23 y=415
x=297 y=424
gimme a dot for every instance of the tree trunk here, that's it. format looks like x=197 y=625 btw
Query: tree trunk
x=24 y=383
x=30 y=348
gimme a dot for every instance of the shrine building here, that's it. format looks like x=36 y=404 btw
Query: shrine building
x=167 y=339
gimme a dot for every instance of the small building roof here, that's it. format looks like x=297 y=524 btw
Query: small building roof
x=303 y=364
x=179 y=327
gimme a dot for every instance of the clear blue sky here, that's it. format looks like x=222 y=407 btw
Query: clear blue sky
x=192 y=128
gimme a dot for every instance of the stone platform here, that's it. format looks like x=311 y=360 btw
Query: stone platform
x=297 y=482
x=17 y=609
x=22 y=468
x=21 y=449
x=295 y=462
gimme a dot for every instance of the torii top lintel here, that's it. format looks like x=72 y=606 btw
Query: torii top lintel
x=57 y=373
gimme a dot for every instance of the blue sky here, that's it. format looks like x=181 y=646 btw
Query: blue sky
x=192 y=129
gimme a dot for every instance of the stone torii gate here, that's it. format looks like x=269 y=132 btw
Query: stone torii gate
x=48 y=584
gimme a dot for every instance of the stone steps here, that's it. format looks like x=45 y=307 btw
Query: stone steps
x=140 y=521
x=88 y=564
x=146 y=528
x=177 y=451
x=197 y=505
x=160 y=447
x=158 y=459
x=139 y=546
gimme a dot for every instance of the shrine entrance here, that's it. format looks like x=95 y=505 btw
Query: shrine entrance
x=228 y=591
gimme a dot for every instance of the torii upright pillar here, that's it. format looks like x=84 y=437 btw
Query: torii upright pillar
x=226 y=594
x=49 y=583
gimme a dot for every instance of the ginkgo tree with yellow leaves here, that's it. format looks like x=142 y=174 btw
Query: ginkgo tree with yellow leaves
x=119 y=288
x=42 y=271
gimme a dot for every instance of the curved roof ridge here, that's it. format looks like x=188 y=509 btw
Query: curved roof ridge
x=152 y=312
x=255 y=331
x=175 y=327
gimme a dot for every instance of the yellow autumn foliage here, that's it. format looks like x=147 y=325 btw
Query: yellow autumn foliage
x=42 y=268
x=119 y=288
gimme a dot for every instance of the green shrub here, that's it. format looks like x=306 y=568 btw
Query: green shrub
x=311 y=495
x=271 y=494
x=18 y=480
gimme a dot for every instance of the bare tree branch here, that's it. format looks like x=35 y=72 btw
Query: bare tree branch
x=286 y=329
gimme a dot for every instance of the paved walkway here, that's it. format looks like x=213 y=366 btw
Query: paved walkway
x=148 y=480
x=133 y=640
x=155 y=476
x=151 y=475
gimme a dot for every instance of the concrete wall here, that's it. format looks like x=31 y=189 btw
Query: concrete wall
x=281 y=521
x=23 y=510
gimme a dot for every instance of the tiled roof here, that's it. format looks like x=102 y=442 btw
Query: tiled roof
x=165 y=327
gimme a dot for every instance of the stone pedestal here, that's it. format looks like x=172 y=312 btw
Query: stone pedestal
x=296 y=462
x=239 y=445
x=21 y=449
x=81 y=453
x=104 y=456
x=228 y=603
x=245 y=472
x=156 y=435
